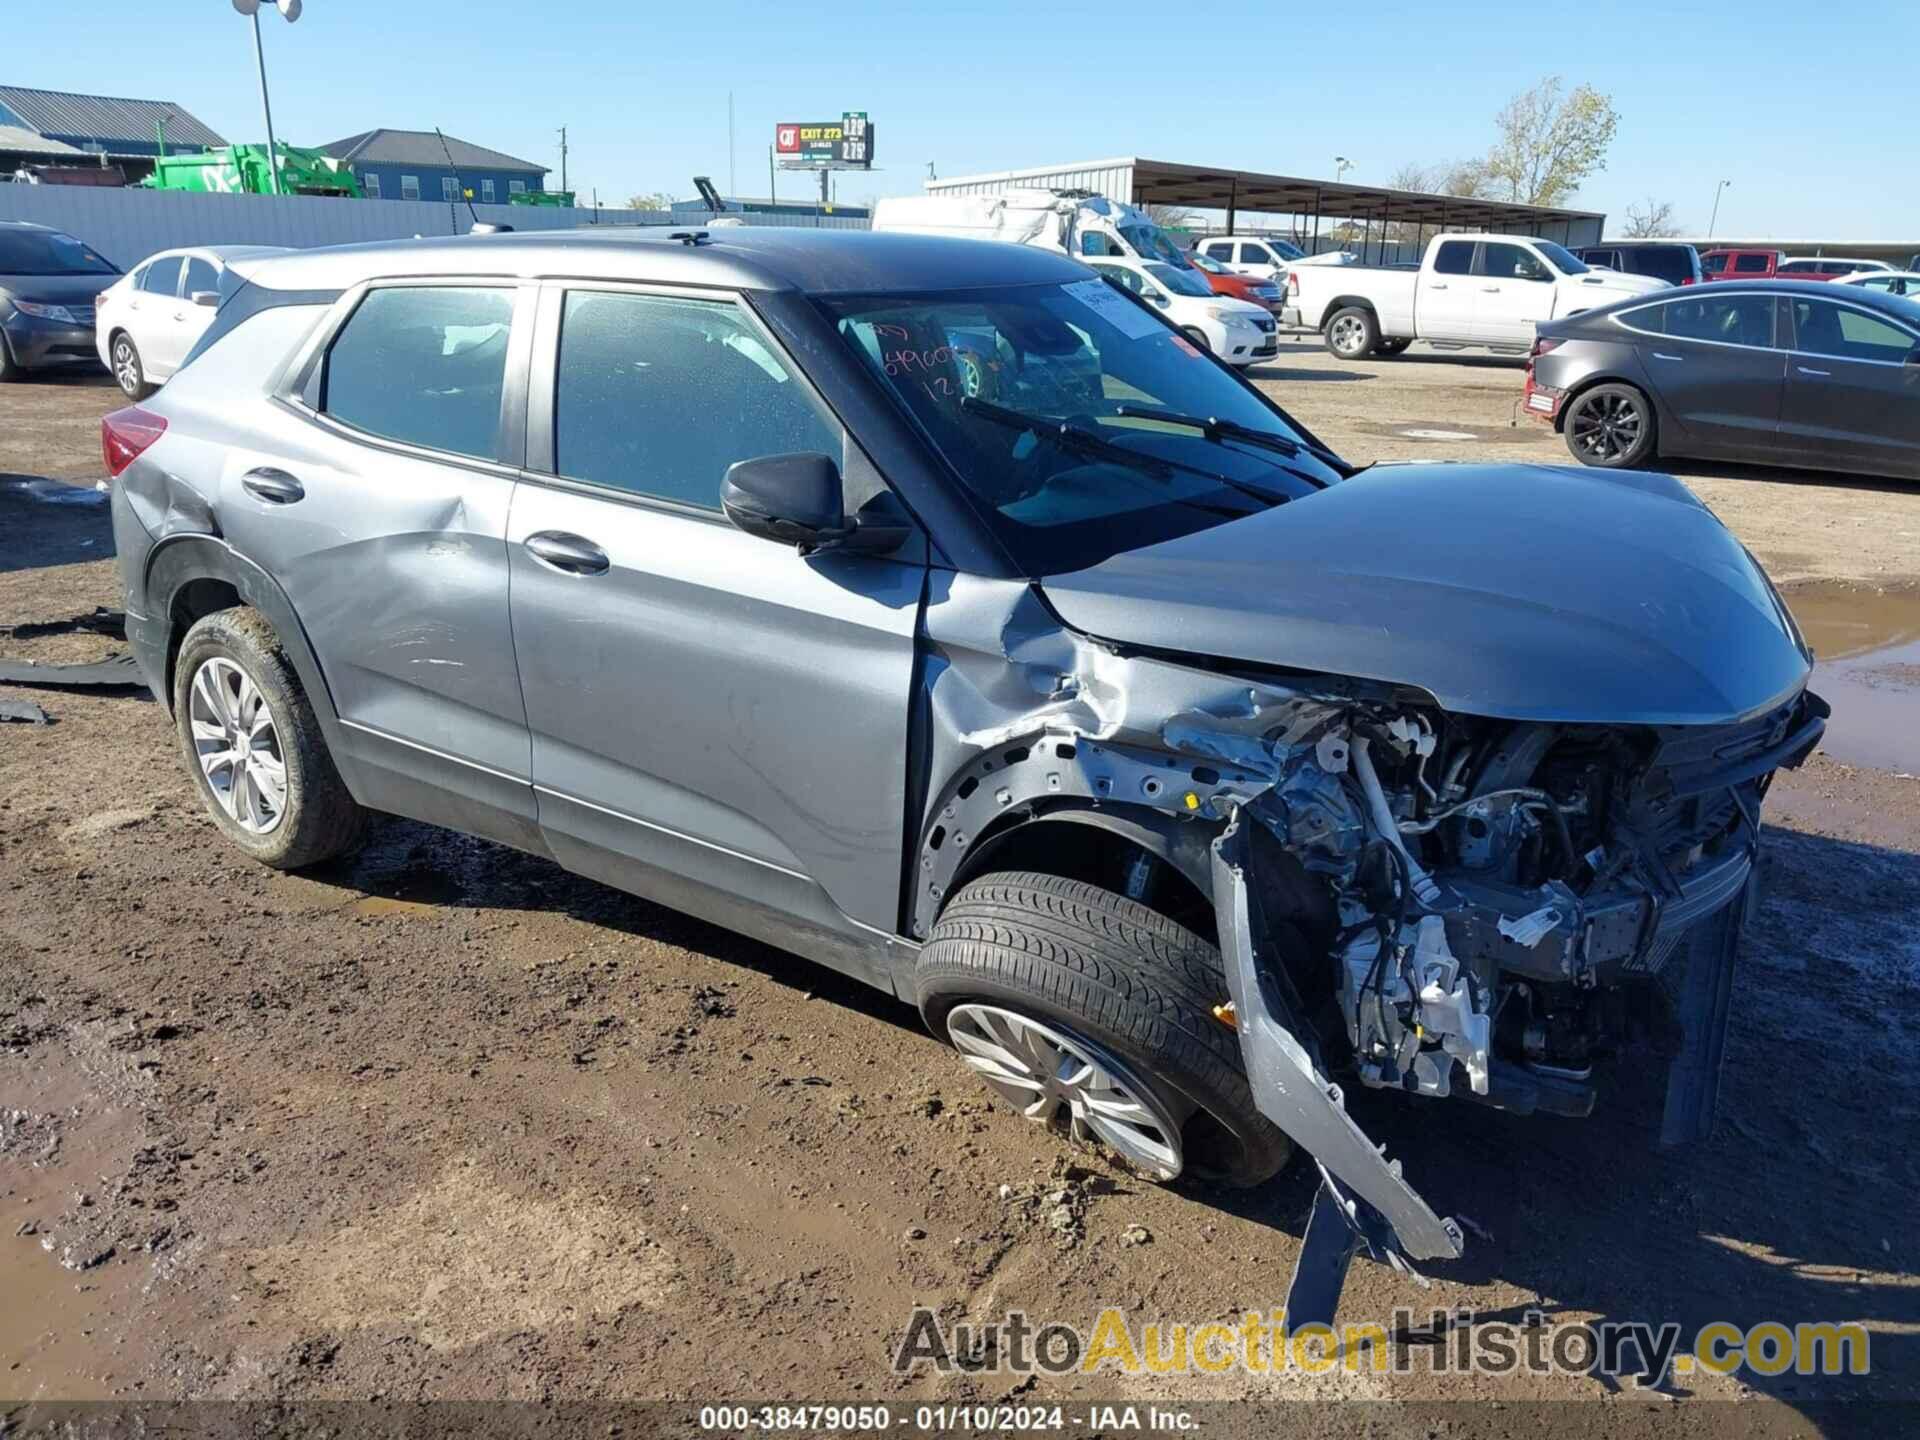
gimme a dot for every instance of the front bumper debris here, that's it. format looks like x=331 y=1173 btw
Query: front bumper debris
x=1364 y=1202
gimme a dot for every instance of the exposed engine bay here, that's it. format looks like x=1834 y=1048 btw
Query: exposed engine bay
x=1446 y=905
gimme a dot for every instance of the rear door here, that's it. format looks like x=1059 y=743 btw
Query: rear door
x=1515 y=291
x=718 y=721
x=1444 y=302
x=200 y=276
x=382 y=511
x=1853 y=387
x=150 y=315
x=1717 y=374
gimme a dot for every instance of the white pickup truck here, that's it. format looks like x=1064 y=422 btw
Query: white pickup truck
x=1484 y=290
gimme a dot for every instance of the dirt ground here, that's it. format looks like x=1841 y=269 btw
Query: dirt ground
x=447 y=1122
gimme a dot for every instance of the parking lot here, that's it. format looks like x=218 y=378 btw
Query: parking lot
x=447 y=1121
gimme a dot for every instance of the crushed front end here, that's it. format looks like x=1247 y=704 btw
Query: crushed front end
x=1448 y=906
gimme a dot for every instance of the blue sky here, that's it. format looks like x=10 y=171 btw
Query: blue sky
x=1808 y=115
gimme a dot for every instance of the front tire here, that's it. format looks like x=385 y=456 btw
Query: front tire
x=128 y=370
x=1198 y=337
x=1089 y=1012
x=1611 y=427
x=1352 y=333
x=254 y=746
x=1392 y=347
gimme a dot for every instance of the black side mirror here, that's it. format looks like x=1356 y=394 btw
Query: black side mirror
x=789 y=499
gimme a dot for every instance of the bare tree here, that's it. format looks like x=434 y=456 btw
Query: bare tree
x=1550 y=142
x=1170 y=217
x=1650 y=221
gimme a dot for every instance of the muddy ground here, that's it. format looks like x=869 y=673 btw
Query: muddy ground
x=448 y=1122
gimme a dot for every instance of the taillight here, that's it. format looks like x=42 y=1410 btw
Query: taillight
x=1293 y=283
x=1541 y=345
x=125 y=433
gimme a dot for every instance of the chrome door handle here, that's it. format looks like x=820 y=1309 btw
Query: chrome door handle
x=1808 y=370
x=1489 y=289
x=569 y=553
x=276 y=487
x=1658 y=356
x=1436 y=287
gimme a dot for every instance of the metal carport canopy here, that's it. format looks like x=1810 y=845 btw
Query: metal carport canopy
x=1160 y=182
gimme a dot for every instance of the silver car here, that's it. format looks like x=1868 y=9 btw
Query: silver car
x=932 y=610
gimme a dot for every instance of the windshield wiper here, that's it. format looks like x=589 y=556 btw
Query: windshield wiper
x=1213 y=427
x=1075 y=437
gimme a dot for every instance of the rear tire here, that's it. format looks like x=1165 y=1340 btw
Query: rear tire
x=1119 y=984
x=128 y=370
x=1353 y=332
x=235 y=695
x=8 y=370
x=1610 y=427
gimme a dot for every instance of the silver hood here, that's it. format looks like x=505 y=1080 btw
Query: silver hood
x=1510 y=591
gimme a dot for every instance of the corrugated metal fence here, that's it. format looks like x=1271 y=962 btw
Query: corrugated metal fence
x=126 y=226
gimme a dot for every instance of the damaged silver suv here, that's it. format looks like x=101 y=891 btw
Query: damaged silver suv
x=935 y=611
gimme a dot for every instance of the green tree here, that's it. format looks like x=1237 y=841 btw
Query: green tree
x=1551 y=140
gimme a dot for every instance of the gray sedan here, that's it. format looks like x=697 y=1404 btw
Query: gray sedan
x=1770 y=372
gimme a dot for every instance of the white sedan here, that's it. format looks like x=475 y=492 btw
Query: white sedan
x=146 y=321
x=1890 y=282
x=1238 y=332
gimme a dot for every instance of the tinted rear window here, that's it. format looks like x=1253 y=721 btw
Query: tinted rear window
x=1454 y=258
x=1750 y=264
x=162 y=277
x=425 y=366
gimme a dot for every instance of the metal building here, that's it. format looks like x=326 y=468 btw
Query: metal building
x=108 y=125
x=1310 y=207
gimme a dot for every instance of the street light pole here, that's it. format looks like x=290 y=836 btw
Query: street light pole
x=266 y=105
x=1340 y=167
x=1716 y=206
x=251 y=9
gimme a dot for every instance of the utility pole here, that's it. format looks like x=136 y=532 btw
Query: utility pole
x=1716 y=206
x=563 y=157
x=773 y=189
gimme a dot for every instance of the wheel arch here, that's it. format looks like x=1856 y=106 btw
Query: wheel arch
x=1348 y=302
x=191 y=576
x=1027 y=806
x=1611 y=377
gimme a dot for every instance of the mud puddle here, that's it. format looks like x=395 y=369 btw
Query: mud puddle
x=1867 y=644
x=67 y=1289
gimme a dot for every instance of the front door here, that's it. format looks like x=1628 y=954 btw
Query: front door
x=1853 y=389
x=190 y=321
x=1515 y=292
x=718 y=721
x=384 y=518
x=1717 y=374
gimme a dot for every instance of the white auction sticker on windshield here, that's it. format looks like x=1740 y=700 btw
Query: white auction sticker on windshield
x=1114 y=308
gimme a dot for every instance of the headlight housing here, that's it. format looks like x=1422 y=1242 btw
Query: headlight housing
x=58 y=313
x=1222 y=314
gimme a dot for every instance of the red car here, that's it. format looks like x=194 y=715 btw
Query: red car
x=1250 y=288
x=1740 y=264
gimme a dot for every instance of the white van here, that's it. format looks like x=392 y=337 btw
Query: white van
x=1075 y=222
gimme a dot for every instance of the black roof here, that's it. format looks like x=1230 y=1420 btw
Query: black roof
x=740 y=257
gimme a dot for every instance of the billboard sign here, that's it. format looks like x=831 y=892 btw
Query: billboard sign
x=846 y=143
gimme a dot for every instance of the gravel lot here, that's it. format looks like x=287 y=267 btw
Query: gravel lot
x=447 y=1122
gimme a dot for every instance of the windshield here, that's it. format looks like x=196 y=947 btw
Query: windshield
x=1150 y=242
x=1181 y=282
x=48 y=252
x=970 y=365
x=1561 y=258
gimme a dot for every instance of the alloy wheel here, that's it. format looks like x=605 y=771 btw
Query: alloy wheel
x=1051 y=1077
x=1607 y=426
x=1349 y=335
x=237 y=742
x=126 y=365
